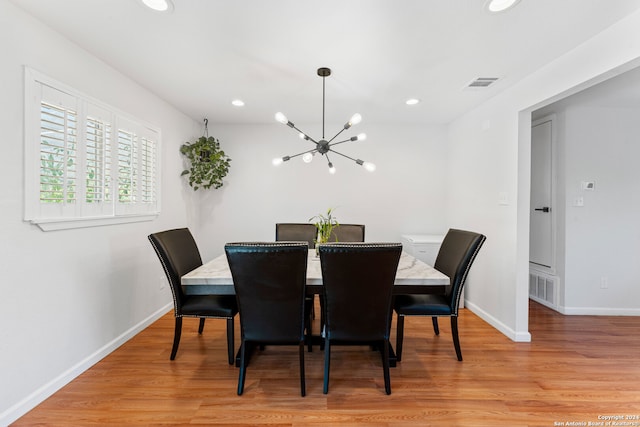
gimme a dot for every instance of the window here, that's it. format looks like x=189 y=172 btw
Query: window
x=87 y=163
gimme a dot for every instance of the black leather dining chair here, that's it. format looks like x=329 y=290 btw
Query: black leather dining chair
x=358 y=281
x=269 y=281
x=179 y=254
x=344 y=233
x=297 y=232
x=304 y=232
x=347 y=233
x=455 y=257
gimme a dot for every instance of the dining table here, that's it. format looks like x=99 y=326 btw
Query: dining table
x=412 y=277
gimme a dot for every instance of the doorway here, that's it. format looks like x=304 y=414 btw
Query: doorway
x=594 y=270
x=543 y=283
x=542 y=242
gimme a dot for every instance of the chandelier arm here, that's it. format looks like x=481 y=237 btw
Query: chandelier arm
x=306 y=136
x=332 y=169
x=336 y=135
x=358 y=161
x=340 y=142
x=304 y=152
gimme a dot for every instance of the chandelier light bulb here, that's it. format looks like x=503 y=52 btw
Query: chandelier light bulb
x=369 y=166
x=332 y=169
x=355 y=119
x=159 y=5
x=281 y=118
x=307 y=157
x=277 y=161
x=362 y=136
x=496 y=6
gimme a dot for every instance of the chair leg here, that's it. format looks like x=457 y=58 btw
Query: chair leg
x=176 y=337
x=230 y=341
x=385 y=366
x=327 y=360
x=456 y=340
x=243 y=368
x=308 y=315
x=322 y=320
x=201 y=326
x=399 y=337
x=303 y=390
x=434 y=320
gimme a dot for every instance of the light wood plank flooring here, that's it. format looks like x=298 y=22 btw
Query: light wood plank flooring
x=576 y=369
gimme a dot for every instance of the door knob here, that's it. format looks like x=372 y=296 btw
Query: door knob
x=544 y=209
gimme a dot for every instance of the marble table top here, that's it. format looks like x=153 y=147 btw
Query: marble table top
x=214 y=277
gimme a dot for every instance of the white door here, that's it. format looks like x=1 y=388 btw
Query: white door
x=541 y=242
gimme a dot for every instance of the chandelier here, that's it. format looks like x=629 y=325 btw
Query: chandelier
x=323 y=146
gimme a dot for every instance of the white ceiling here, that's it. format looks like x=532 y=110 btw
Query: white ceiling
x=208 y=52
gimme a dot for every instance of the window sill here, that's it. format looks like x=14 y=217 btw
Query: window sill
x=70 y=223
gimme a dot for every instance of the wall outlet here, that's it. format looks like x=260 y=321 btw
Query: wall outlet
x=162 y=282
x=604 y=283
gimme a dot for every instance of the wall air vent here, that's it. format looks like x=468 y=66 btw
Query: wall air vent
x=481 y=82
x=544 y=288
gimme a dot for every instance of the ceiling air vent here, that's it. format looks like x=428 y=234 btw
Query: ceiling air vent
x=481 y=82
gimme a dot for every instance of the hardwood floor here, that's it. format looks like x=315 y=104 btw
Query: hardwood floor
x=576 y=369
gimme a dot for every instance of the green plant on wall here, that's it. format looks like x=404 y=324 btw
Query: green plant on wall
x=208 y=164
x=325 y=225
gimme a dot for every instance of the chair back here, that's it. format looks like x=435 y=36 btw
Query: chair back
x=455 y=257
x=269 y=281
x=179 y=254
x=358 y=281
x=297 y=232
x=347 y=233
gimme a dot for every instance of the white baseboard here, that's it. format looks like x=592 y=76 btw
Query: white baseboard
x=599 y=311
x=545 y=303
x=510 y=333
x=41 y=394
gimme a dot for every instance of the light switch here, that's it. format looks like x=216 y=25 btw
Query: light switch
x=588 y=185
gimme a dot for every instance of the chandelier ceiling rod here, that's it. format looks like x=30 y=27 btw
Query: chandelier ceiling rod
x=324 y=76
x=323 y=146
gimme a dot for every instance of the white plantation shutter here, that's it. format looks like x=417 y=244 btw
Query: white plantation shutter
x=97 y=171
x=86 y=163
x=127 y=166
x=96 y=165
x=149 y=171
x=58 y=154
x=137 y=166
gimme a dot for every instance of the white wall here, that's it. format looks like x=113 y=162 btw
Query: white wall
x=404 y=195
x=603 y=236
x=490 y=153
x=69 y=297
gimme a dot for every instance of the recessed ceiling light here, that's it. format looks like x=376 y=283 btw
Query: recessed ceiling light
x=159 y=5
x=495 y=6
x=412 y=101
x=237 y=103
